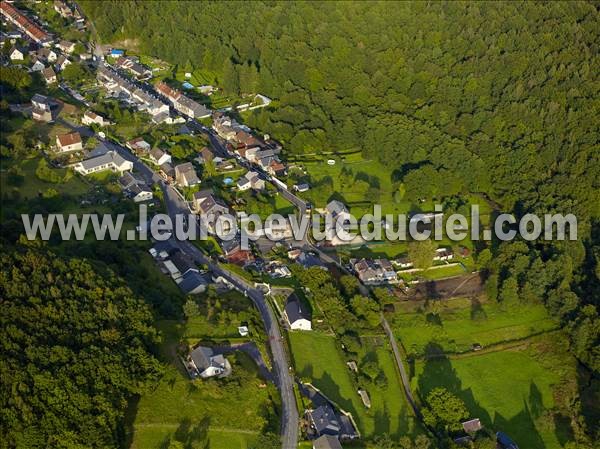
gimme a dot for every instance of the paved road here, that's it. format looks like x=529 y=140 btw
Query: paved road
x=283 y=377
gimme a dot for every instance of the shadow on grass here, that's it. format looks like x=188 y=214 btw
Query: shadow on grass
x=439 y=372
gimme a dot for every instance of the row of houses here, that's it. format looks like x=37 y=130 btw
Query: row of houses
x=180 y=267
x=182 y=103
x=374 y=271
x=26 y=25
x=131 y=64
x=255 y=150
x=120 y=85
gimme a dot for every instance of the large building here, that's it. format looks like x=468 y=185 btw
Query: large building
x=32 y=30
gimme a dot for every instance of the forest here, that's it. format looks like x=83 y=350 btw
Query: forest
x=76 y=345
x=498 y=99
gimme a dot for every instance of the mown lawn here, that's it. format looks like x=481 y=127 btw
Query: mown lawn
x=225 y=413
x=455 y=325
x=318 y=359
x=514 y=391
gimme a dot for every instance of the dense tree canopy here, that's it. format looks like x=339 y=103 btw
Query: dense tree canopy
x=492 y=98
x=75 y=347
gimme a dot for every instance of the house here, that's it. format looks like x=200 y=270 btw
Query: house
x=250 y=180
x=132 y=65
x=16 y=54
x=159 y=157
x=375 y=271
x=49 y=75
x=337 y=209
x=206 y=363
x=111 y=160
x=275 y=168
x=37 y=65
x=206 y=155
x=243 y=331
x=301 y=187
x=209 y=207
x=90 y=118
x=66 y=46
x=47 y=54
x=185 y=175
x=327 y=442
x=472 y=426
x=42 y=108
x=324 y=421
x=296 y=314
x=69 y=142
x=167 y=172
x=138 y=145
x=129 y=179
x=140 y=193
x=233 y=252
x=61 y=63
x=183 y=263
x=63 y=9
x=193 y=283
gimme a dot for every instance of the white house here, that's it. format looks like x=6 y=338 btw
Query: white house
x=159 y=157
x=69 y=142
x=66 y=46
x=16 y=54
x=296 y=315
x=250 y=180
x=203 y=362
x=140 y=193
x=37 y=66
x=110 y=160
x=62 y=62
x=49 y=75
x=90 y=118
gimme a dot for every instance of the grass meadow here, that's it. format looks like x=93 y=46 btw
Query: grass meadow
x=454 y=325
x=225 y=413
x=318 y=359
x=517 y=390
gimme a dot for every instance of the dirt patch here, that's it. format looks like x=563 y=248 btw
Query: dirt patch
x=466 y=285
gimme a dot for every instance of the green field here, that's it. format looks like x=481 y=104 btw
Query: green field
x=32 y=186
x=318 y=359
x=516 y=391
x=216 y=413
x=455 y=325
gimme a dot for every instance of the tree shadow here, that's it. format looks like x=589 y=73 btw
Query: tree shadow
x=477 y=310
x=521 y=428
x=128 y=430
x=439 y=372
x=193 y=436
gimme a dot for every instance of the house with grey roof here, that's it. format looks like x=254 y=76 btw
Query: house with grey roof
x=193 y=283
x=204 y=362
x=108 y=161
x=324 y=421
x=296 y=314
x=185 y=175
